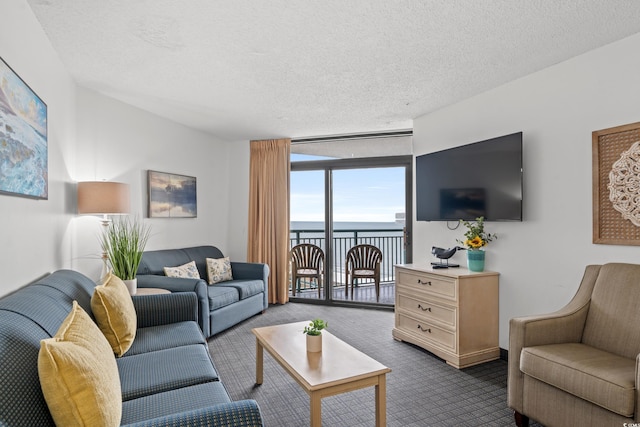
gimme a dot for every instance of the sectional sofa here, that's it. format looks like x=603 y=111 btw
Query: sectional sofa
x=220 y=305
x=167 y=376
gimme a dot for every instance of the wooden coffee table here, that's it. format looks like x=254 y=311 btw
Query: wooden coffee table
x=339 y=368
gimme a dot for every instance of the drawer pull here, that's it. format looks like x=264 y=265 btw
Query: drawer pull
x=424 y=283
x=423 y=308
x=423 y=329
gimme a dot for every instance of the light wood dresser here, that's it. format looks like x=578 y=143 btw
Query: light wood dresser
x=453 y=312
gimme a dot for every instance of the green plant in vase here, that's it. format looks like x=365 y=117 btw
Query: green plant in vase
x=315 y=327
x=123 y=242
x=314 y=335
x=475 y=239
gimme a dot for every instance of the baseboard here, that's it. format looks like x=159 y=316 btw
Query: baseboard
x=504 y=354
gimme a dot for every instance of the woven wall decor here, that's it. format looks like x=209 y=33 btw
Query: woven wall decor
x=616 y=185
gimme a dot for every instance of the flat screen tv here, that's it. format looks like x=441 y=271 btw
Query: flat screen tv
x=479 y=179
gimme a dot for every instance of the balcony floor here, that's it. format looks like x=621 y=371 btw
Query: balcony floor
x=363 y=293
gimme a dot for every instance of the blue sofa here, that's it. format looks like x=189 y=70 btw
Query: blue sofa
x=221 y=305
x=167 y=376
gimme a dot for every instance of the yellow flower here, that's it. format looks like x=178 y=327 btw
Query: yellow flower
x=475 y=243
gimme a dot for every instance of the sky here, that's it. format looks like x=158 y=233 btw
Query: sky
x=360 y=195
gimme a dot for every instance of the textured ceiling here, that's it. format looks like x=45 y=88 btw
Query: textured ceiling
x=251 y=69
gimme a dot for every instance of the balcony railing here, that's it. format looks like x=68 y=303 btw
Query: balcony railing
x=389 y=241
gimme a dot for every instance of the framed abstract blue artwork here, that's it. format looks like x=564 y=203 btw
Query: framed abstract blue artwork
x=23 y=138
x=171 y=195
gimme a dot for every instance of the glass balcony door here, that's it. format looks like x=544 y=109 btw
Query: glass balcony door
x=368 y=209
x=308 y=227
x=337 y=205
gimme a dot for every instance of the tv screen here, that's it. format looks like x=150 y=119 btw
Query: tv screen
x=479 y=179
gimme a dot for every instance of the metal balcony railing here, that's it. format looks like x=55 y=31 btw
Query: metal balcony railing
x=389 y=241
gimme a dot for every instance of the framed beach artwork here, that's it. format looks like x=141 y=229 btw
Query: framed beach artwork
x=23 y=138
x=171 y=195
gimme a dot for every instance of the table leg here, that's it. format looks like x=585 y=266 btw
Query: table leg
x=381 y=401
x=316 y=410
x=259 y=361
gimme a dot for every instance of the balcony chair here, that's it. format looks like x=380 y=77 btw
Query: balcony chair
x=307 y=260
x=580 y=366
x=362 y=262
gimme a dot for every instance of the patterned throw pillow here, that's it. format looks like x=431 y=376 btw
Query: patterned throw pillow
x=219 y=270
x=185 y=271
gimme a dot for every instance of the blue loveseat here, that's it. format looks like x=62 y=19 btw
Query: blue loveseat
x=221 y=305
x=167 y=376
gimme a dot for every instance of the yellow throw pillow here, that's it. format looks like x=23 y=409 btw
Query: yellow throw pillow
x=219 y=270
x=78 y=374
x=185 y=271
x=115 y=314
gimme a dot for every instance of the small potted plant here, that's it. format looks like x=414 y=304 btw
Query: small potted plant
x=314 y=335
x=475 y=239
x=123 y=242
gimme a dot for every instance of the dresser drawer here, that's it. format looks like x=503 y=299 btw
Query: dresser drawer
x=426 y=309
x=424 y=282
x=427 y=331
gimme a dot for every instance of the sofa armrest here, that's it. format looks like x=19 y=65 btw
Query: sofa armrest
x=162 y=309
x=249 y=270
x=177 y=284
x=242 y=413
x=563 y=326
x=253 y=271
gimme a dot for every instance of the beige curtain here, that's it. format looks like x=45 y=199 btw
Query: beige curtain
x=268 y=234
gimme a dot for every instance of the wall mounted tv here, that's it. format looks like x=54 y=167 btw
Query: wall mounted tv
x=479 y=179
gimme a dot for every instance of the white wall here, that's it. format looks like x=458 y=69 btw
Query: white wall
x=92 y=137
x=35 y=236
x=541 y=260
x=118 y=142
x=239 y=154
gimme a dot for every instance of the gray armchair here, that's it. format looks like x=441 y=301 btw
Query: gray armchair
x=580 y=366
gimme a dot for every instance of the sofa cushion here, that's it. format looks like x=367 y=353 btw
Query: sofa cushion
x=594 y=375
x=613 y=319
x=219 y=270
x=161 y=337
x=221 y=296
x=76 y=286
x=58 y=306
x=181 y=367
x=174 y=401
x=115 y=314
x=79 y=375
x=185 y=271
x=246 y=288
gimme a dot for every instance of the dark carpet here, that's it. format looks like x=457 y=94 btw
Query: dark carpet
x=422 y=390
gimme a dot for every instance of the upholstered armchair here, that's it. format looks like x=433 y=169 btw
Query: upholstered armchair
x=580 y=366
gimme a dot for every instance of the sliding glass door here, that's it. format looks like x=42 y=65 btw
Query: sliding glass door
x=337 y=205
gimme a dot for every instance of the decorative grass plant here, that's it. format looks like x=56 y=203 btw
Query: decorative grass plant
x=123 y=242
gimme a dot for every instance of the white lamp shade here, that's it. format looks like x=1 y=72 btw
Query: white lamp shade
x=103 y=198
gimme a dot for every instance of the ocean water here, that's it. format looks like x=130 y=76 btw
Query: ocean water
x=319 y=225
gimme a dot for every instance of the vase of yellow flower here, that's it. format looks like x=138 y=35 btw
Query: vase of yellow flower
x=475 y=239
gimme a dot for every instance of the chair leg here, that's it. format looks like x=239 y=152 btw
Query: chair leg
x=521 y=420
x=377 y=290
x=346 y=286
